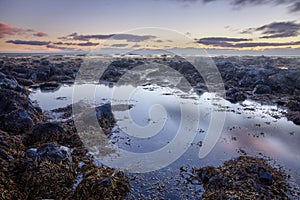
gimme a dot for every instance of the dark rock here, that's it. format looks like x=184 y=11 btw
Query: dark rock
x=49 y=86
x=17 y=121
x=46 y=132
x=53 y=152
x=9 y=82
x=17 y=113
x=242 y=178
x=261 y=89
x=61 y=78
x=234 y=96
x=293 y=105
x=105 y=117
x=206 y=174
x=45 y=62
x=265 y=176
x=294 y=117
x=24 y=82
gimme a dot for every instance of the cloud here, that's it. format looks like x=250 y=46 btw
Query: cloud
x=265 y=44
x=295 y=7
x=133 y=38
x=136 y=46
x=87 y=44
x=76 y=36
x=277 y=30
x=51 y=46
x=126 y=37
x=221 y=41
x=28 y=42
x=240 y=43
x=40 y=34
x=119 y=45
x=6 y=29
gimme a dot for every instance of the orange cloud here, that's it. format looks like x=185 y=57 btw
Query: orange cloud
x=8 y=30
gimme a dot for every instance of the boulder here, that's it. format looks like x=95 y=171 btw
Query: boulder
x=262 y=89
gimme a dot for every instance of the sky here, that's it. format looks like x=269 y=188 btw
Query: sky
x=235 y=26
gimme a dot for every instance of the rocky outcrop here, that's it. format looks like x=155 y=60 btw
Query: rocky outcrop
x=17 y=113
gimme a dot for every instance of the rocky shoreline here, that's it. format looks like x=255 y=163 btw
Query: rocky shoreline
x=43 y=159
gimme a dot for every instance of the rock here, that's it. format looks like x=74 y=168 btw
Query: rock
x=265 y=176
x=11 y=152
x=41 y=75
x=49 y=86
x=18 y=121
x=105 y=117
x=17 y=113
x=261 y=89
x=293 y=105
x=46 y=132
x=234 y=95
x=9 y=82
x=63 y=133
x=54 y=152
x=61 y=78
x=206 y=174
x=242 y=178
x=102 y=183
x=294 y=117
x=50 y=175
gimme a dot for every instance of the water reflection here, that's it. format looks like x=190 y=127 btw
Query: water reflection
x=250 y=128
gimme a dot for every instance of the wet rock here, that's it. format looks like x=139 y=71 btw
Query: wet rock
x=111 y=75
x=62 y=78
x=41 y=75
x=206 y=174
x=17 y=121
x=265 y=176
x=293 y=105
x=49 y=87
x=47 y=132
x=54 y=152
x=234 y=95
x=24 y=82
x=9 y=82
x=294 y=117
x=60 y=133
x=17 y=113
x=261 y=89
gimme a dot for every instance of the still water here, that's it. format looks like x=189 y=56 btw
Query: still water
x=250 y=128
